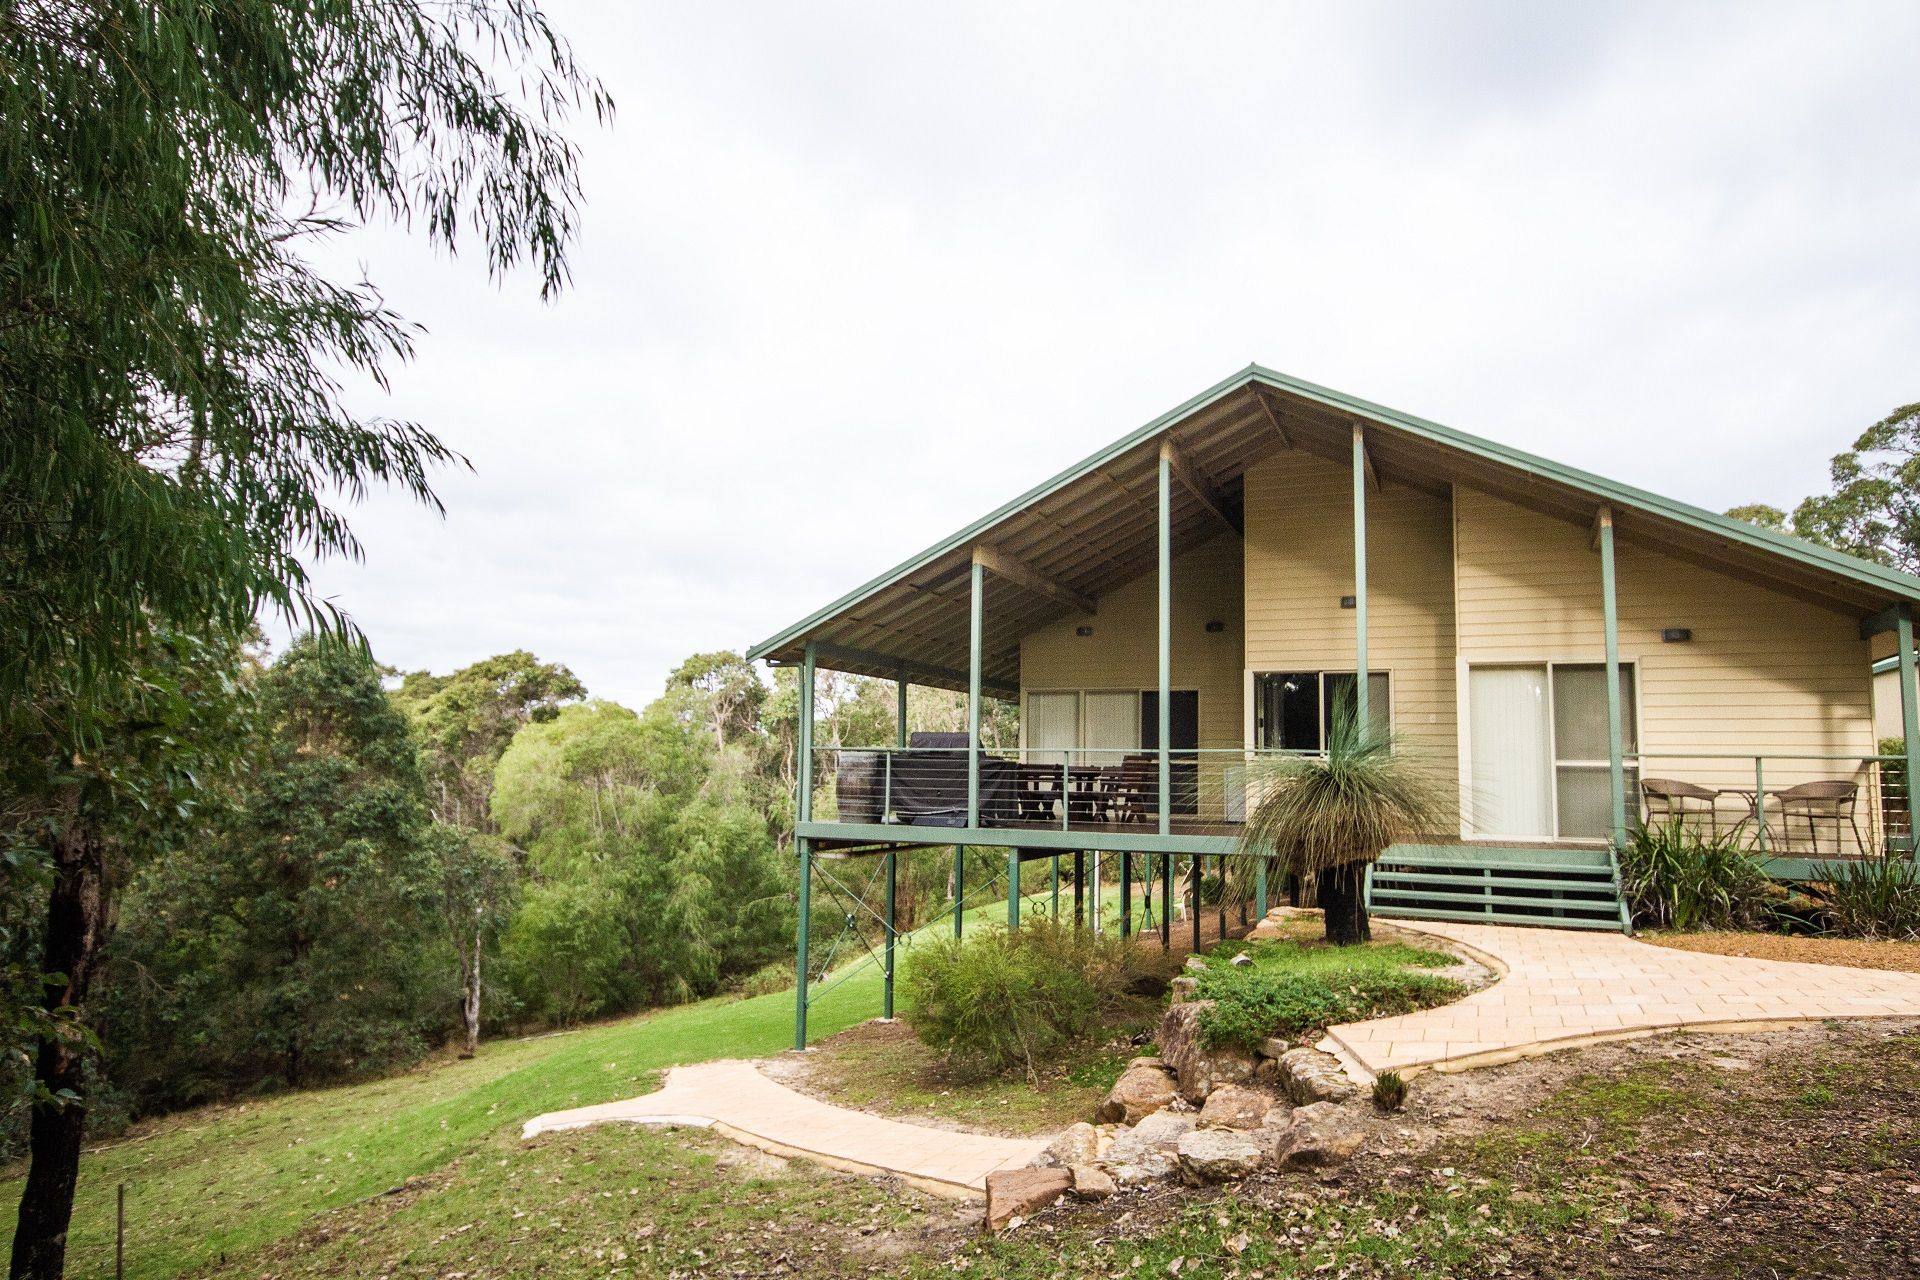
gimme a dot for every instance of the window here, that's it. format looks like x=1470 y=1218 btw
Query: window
x=1101 y=727
x=1293 y=710
x=1538 y=762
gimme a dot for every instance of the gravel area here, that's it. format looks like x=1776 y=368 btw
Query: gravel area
x=1851 y=952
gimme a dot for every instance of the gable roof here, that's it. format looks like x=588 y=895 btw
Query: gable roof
x=1091 y=527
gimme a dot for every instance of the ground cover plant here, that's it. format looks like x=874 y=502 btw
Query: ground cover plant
x=1290 y=989
x=1001 y=1000
x=1871 y=898
x=1675 y=876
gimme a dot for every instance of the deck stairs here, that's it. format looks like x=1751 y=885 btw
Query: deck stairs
x=1560 y=888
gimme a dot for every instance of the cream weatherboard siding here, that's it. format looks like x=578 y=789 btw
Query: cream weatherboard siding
x=1299 y=562
x=1764 y=672
x=1123 y=651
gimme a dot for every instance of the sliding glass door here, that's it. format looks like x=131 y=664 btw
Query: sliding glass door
x=1537 y=747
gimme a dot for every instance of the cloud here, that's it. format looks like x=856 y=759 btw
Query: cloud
x=853 y=275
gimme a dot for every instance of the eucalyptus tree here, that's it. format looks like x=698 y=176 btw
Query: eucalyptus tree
x=175 y=437
x=1872 y=507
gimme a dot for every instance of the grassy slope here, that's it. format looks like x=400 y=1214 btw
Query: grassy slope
x=218 y=1182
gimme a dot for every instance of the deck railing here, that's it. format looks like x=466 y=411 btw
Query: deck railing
x=1079 y=789
x=1780 y=804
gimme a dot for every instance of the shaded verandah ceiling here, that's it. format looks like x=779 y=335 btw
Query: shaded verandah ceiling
x=1092 y=528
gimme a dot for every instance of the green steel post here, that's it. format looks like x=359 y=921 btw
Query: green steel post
x=1909 y=721
x=977 y=612
x=886 y=995
x=1079 y=889
x=900 y=715
x=1760 y=801
x=1166 y=902
x=1013 y=888
x=1193 y=908
x=1362 y=720
x=1220 y=865
x=804 y=809
x=1056 y=888
x=1166 y=635
x=1616 y=740
x=1260 y=887
x=1126 y=894
x=959 y=890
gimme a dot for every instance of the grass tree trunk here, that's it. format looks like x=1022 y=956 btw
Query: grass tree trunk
x=1343 y=897
x=76 y=925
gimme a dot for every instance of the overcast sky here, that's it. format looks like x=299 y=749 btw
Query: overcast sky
x=854 y=274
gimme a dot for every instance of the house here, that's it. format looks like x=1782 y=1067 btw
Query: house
x=1568 y=655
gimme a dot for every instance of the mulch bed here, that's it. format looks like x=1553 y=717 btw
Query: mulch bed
x=1852 y=952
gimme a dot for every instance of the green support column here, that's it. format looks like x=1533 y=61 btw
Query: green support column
x=1260 y=888
x=886 y=995
x=1193 y=908
x=1079 y=889
x=1616 y=743
x=1013 y=888
x=1220 y=865
x=804 y=809
x=1909 y=722
x=1166 y=635
x=975 y=625
x=1126 y=894
x=959 y=890
x=1362 y=719
x=1166 y=901
x=893 y=855
x=1056 y=888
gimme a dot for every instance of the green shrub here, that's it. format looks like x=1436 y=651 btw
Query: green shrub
x=1290 y=990
x=766 y=980
x=1390 y=1091
x=1674 y=877
x=1000 y=1001
x=1872 y=898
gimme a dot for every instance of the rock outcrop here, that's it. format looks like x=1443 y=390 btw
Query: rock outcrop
x=1013 y=1194
x=1142 y=1089
x=1218 y=1155
x=1198 y=1069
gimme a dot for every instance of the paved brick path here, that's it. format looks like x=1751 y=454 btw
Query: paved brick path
x=735 y=1099
x=1564 y=987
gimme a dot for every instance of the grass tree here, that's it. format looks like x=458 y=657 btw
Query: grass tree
x=1328 y=816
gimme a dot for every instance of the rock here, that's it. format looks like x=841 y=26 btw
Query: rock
x=1158 y=1132
x=1184 y=989
x=1077 y=1144
x=1137 y=1094
x=1016 y=1193
x=1320 y=1136
x=1147 y=1062
x=1242 y=958
x=1197 y=1069
x=1150 y=1169
x=1236 y=1106
x=1218 y=1155
x=1091 y=1182
x=1308 y=1075
x=1196 y=965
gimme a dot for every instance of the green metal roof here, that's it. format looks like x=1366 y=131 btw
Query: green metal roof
x=1870 y=581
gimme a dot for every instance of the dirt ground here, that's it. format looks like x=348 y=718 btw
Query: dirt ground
x=1852 y=952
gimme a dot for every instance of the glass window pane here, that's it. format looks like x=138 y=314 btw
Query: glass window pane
x=1510 y=769
x=1287 y=708
x=1580 y=711
x=1113 y=727
x=1339 y=697
x=1053 y=726
x=1585 y=802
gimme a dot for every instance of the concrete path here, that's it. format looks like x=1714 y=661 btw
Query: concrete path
x=736 y=1099
x=1566 y=987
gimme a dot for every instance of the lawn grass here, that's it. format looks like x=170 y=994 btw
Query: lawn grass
x=224 y=1180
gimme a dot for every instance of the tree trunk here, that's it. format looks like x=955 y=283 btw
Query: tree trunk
x=471 y=998
x=76 y=925
x=1343 y=898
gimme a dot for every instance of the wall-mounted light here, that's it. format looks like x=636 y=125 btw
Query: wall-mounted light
x=1348 y=602
x=1083 y=631
x=1676 y=635
x=1215 y=627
